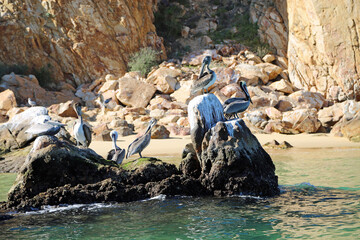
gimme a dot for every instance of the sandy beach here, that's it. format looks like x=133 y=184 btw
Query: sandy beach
x=171 y=149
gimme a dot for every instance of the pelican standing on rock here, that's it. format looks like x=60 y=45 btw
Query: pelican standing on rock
x=31 y=102
x=45 y=126
x=140 y=143
x=81 y=131
x=233 y=106
x=117 y=154
x=206 y=79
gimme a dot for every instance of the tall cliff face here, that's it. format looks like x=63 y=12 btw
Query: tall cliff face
x=80 y=39
x=322 y=39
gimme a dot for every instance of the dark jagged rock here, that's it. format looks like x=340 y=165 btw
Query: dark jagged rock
x=56 y=172
x=190 y=165
x=276 y=145
x=231 y=158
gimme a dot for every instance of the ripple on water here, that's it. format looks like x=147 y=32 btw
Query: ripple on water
x=300 y=211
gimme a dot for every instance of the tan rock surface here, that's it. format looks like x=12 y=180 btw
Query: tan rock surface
x=133 y=92
x=271 y=70
x=81 y=40
x=7 y=100
x=252 y=74
x=273 y=113
x=183 y=94
x=282 y=86
x=307 y=99
x=320 y=39
x=164 y=79
x=303 y=120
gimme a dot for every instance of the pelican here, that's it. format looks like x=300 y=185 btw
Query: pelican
x=31 y=102
x=140 y=143
x=117 y=154
x=233 y=106
x=102 y=102
x=206 y=79
x=45 y=126
x=81 y=131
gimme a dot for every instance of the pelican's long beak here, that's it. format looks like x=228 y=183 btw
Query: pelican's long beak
x=202 y=69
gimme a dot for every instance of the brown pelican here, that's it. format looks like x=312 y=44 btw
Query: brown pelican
x=31 y=102
x=233 y=106
x=117 y=154
x=140 y=143
x=81 y=131
x=44 y=126
x=102 y=102
x=206 y=79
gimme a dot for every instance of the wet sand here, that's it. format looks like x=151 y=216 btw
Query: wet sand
x=170 y=150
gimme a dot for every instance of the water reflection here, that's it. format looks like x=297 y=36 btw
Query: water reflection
x=300 y=211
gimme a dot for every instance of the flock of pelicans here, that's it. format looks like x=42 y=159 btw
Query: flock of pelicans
x=82 y=133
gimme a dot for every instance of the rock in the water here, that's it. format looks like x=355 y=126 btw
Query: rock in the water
x=190 y=165
x=231 y=158
x=60 y=173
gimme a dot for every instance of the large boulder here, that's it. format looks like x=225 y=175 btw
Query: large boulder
x=231 y=158
x=7 y=100
x=134 y=92
x=251 y=74
x=12 y=133
x=164 y=79
x=303 y=120
x=306 y=99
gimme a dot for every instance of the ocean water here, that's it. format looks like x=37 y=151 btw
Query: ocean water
x=320 y=199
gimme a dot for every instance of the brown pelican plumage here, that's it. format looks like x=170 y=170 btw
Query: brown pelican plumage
x=117 y=154
x=44 y=126
x=233 y=106
x=140 y=143
x=31 y=102
x=81 y=131
x=206 y=78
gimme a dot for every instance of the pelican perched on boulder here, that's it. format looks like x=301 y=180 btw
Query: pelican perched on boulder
x=233 y=106
x=81 y=131
x=140 y=143
x=117 y=154
x=43 y=125
x=206 y=78
x=31 y=102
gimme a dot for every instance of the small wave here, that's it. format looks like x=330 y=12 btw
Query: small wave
x=65 y=207
x=161 y=197
x=247 y=196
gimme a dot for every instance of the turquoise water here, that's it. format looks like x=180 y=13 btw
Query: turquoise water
x=320 y=199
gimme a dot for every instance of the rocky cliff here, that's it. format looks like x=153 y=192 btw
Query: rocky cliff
x=78 y=40
x=321 y=40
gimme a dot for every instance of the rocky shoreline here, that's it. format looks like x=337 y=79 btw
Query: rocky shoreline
x=230 y=163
